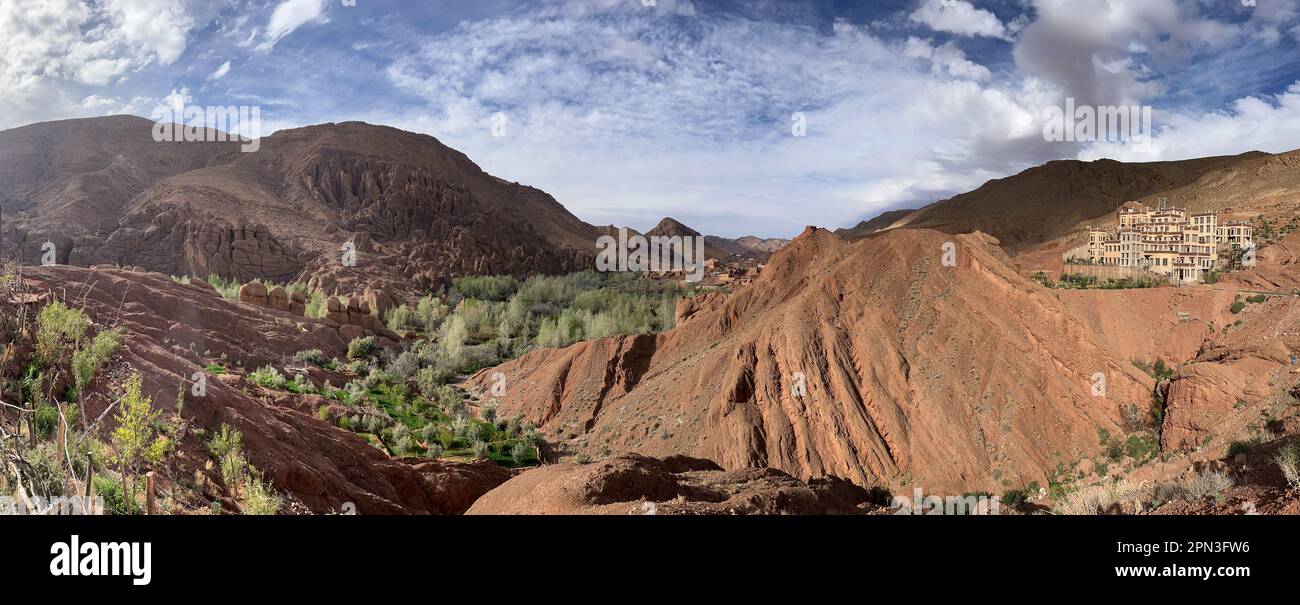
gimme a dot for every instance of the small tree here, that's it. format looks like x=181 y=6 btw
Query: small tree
x=135 y=440
x=58 y=328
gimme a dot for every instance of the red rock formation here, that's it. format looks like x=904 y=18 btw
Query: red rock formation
x=957 y=378
x=638 y=485
x=167 y=329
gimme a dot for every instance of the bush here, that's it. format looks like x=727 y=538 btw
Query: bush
x=1208 y=484
x=1237 y=307
x=1103 y=498
x=87 y=361
x=57 y=328
x=268 y=377
x=480 y=449
x=111 y=491
x=1288 y=461
x=312 y=356
x=316 y=305
x=518 y=452
x=1239 y=447
x=47 y=420
x=361 y=348
x=495 y=288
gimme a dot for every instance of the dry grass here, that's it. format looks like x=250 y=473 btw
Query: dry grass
x=1288 y=459
x=1112 y=497
x=1102 y=498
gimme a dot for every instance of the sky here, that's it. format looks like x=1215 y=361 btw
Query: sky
x=735 y=117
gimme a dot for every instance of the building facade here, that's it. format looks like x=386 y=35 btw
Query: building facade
x=1167 y=241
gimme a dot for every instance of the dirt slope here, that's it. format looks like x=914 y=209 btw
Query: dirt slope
x=630 y=484
x=169 y=327
x=956 y=377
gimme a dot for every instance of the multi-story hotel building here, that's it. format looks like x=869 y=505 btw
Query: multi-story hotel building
x=1167 y=241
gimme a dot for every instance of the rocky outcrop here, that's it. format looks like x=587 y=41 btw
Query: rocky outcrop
x=413 y=212
x=169 y=329
x=630 y=484
x=1245 y=370
x=871 y=361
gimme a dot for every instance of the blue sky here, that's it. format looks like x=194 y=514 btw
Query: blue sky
x=627 y=112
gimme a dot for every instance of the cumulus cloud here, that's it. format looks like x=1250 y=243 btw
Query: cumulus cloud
x=1110 y=53
x=959 y=17
x=946 y=58
x=53 y=46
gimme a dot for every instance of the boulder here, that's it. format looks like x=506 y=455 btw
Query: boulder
x=253 y=293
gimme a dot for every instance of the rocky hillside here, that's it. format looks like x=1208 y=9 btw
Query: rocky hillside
x=416 y=211
x=171 y=333
x=1045 y=202
x=965 y=377
x=720 y=247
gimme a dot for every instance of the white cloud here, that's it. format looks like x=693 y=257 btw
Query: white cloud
x=959 y=17
x=1258 y=123
x=288 y=17
x=946 y=58
x=220 y=72
x=53 y=47
x=690 y=124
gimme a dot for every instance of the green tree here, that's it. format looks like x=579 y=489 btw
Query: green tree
x=58 y=328
x=135 y=440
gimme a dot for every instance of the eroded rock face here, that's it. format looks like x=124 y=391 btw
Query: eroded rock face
x=630 y=484
x=1238 y=373
x=406 y=213
x=169 y=329
x=952 y=378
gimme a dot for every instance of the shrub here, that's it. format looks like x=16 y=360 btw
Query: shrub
x=57 y=328
x=1102 y=498
x=268 y=377
x=496 y=288
x=258 y=497
x=361 y=348
x=1288 y=460
x=111 y=491
x=518 y=452
x=1208 y=484
x=480 y=449
x=312 y=356
x=405 y=366
x=87 y=361
x=1237 y=307
x=434 y=451
x=316 y=305
x=1239 y=447
x=323 y=413
x=47 y=420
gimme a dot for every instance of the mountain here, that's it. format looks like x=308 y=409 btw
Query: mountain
x=416 y=211
x=720 y=247
x=760 y=245
x=909 y=370
x=865 y=228
x=1046 y=202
